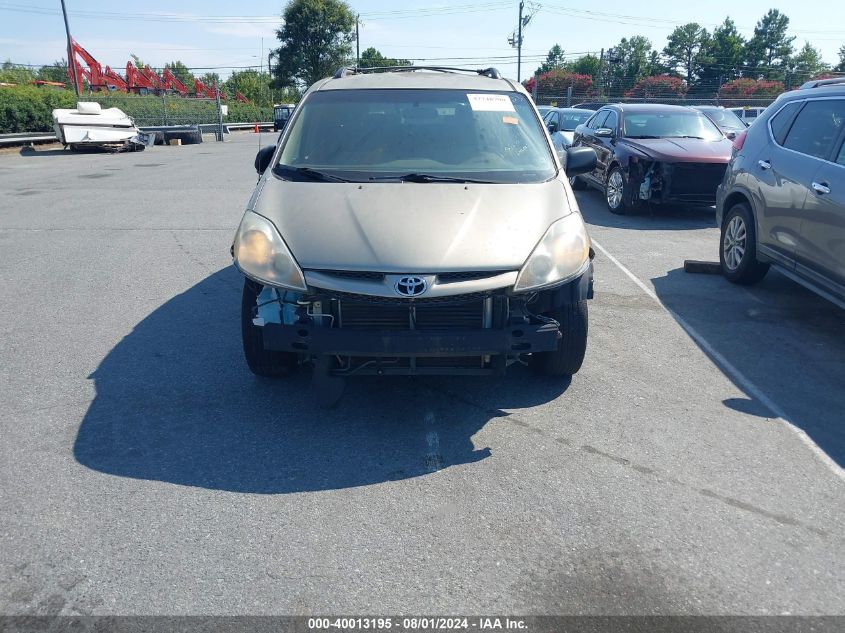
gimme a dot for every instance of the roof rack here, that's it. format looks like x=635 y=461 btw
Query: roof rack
x=817 y=83
x=492 y=73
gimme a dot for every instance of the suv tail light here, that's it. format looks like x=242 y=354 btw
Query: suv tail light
x=739 y=141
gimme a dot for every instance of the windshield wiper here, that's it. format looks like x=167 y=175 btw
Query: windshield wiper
x=431 y=178
x=315 y=174
x=644 y=136
x=700 y=138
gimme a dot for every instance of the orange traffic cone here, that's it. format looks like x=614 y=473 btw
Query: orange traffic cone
x=257 y=128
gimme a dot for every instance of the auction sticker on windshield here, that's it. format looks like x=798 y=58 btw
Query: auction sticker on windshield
x=490 y=103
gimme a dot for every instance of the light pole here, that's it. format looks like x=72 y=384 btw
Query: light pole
x=71 y=62
x=519 y=45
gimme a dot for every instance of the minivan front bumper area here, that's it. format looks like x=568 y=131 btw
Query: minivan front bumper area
x=473 y=334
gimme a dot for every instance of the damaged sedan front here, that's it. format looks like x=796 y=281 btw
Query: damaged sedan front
x=654 y=154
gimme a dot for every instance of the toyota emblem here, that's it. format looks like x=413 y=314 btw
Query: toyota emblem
x=411 y=286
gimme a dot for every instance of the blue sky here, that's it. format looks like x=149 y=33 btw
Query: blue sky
x=214 y=33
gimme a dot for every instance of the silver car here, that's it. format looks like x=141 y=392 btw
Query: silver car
x=415 y=222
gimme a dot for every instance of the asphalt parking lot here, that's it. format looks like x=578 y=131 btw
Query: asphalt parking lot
x=693 y=466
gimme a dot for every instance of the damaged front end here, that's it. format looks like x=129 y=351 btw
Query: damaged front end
x=662 y=182
x=478 y=333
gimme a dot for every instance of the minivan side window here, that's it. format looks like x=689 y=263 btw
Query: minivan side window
x=781 y=121
x=817 y=127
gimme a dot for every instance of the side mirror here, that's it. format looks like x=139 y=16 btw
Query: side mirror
x=263 y=158
x=731 y=135
x=604 y=132
x=552 y=128
x=580 y=160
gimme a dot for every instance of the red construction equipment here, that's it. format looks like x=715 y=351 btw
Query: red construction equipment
x=138 y=82
x=111 y=78
x=201 y=90
x=240 y=98
x=171 y=82
x=93 y=74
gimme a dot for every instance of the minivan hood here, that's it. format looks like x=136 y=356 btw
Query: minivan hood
x=411 y=227
x=682 y=150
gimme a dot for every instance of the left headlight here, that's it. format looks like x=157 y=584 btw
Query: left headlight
x=260 y=253
x=560 y=255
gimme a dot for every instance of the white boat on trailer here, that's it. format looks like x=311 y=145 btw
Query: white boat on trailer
x=89 y=125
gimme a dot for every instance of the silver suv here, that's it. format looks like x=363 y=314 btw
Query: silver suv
x=415 y=221
x=782 y=201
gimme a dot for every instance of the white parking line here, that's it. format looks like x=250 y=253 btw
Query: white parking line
x=732 y=372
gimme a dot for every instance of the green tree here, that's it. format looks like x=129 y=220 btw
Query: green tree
x=768 y=51
x=555 y=60
x=57 y=72
x=15 y=74
x=683 y=50
x=181 y=71
x=372 y=58
x=586 y=65
x=253 y=85
x=316 y=39
x=209 y=79
x=627 y=63
x=841 y=66
x=723 y=56
x=805 y=65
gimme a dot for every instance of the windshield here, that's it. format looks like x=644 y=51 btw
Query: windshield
x=570 y=120
x=725 y=119
x=362 y=135
x=671 y=125
x=282 y=113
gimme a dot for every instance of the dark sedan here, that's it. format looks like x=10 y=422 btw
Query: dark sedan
x=726 y=120
x=653 y=153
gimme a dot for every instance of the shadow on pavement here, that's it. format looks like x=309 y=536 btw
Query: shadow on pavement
x=783 y=338
x=176 y=403
x=659 y=218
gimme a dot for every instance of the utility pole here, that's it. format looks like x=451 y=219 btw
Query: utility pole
x=519 y=45
x=71 y=61
x=357 y=41
x=601 y=72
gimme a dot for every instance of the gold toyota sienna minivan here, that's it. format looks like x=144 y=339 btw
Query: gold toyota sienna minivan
x=415 y=221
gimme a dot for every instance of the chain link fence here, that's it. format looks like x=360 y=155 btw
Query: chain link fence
x=574 y=99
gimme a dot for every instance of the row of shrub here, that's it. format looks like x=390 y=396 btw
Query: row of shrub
x=29 y=109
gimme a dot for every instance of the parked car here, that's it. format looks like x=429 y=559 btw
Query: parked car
x=561 y=123
x=747 y=114
x=726 y=120
x=591 y=105
x=782 y=201
x=414 y=222
x=663 y=154
x=543 y=110
x=281 y=115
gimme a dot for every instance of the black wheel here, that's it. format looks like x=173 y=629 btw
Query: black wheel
x=566 y=360
x=260 y=361
x=576 y=183
x=617 y=193
x=738 y=247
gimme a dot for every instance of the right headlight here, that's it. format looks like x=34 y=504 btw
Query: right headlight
x=260 y=253
x=560 y=255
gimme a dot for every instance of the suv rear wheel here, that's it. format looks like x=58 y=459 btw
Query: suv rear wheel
x=261 y=362
x=566 y=360
x=738 y=247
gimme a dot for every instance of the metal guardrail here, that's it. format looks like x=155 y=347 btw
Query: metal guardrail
x=23 y=138
x=26 y=138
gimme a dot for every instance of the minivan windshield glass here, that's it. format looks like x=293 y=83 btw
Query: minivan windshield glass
x=671 y=125
x=417 y=135
x=725 y=119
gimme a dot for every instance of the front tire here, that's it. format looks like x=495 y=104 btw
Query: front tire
x=261 y=362
x=617 y=193
x=738 y=247
x=567 y=359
